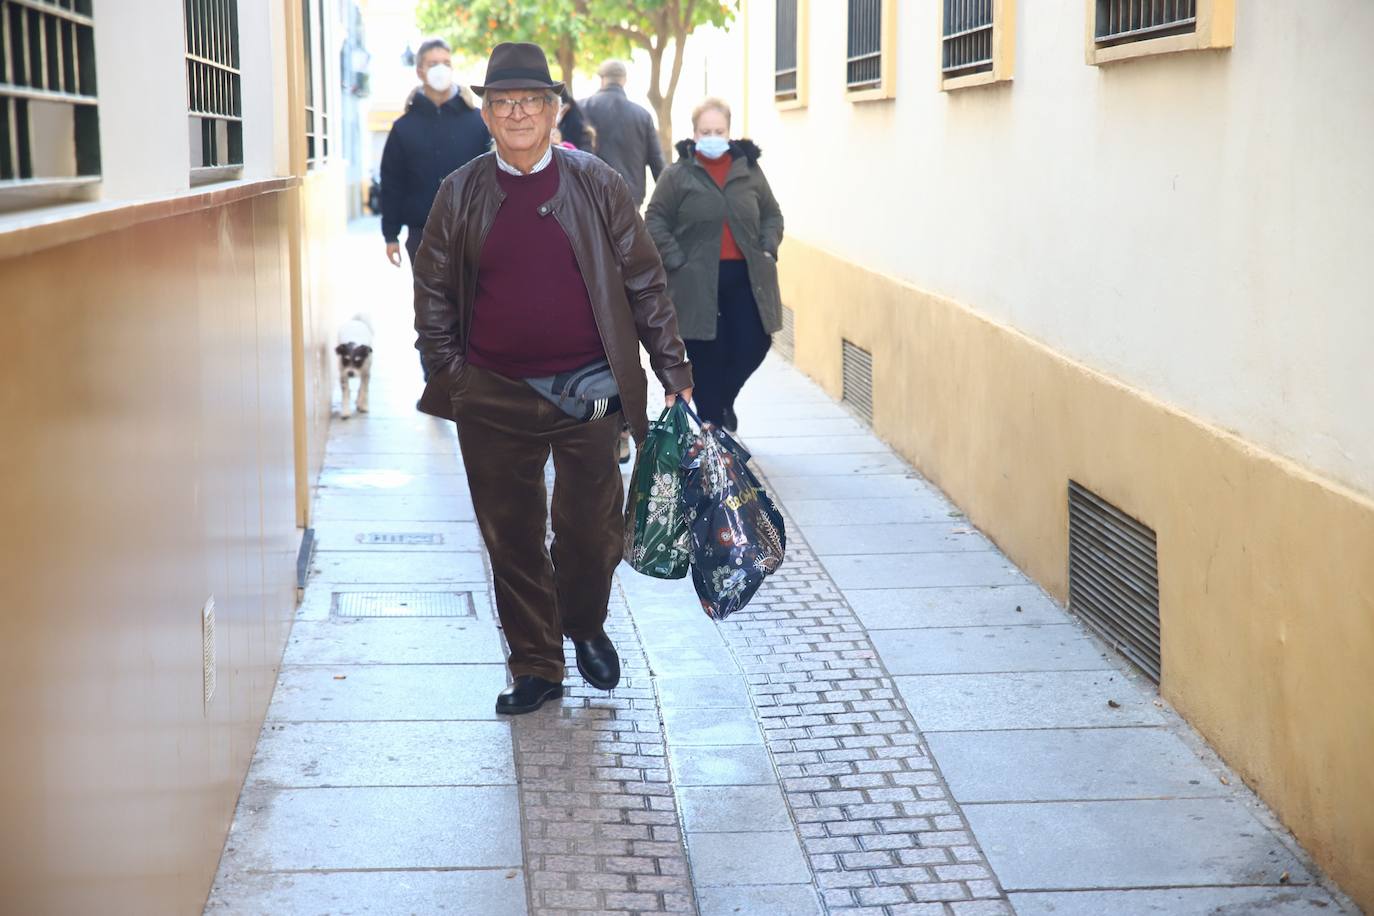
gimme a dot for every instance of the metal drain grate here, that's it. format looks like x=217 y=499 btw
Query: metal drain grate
x=402 y=604
x=785 y=341
x=401 y=537
x=1114 y=577
x=857 y=370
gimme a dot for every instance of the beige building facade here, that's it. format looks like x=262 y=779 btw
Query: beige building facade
x=168 y=192
x=1069 y=246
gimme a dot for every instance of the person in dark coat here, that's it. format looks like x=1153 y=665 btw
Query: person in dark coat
x=439 y=133
x=573 y=127
x=718 y=227
x=625 y=134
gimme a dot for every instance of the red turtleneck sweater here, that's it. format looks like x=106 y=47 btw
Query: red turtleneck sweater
x=718 y=169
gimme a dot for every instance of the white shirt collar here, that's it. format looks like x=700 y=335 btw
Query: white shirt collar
x=539 y=166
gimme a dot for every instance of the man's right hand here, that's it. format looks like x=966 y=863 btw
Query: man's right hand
x=393 y=253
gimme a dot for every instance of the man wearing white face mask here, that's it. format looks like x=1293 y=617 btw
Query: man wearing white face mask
x=439 y=133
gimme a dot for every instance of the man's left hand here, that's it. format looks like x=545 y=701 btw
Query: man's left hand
x=685 y=394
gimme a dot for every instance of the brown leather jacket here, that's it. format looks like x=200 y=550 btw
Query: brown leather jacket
x=619 y=263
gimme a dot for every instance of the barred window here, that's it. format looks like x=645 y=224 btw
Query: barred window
x=865 y=58
x=1123 y=21
x=785 y=68
x=49 y=127
x=214 y=85
x=967 y=43
x=316 y=83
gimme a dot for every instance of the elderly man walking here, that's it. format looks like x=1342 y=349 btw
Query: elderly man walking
x=535 y=284
x=625 y=135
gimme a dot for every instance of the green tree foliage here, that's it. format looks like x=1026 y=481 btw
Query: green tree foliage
x=582 y=33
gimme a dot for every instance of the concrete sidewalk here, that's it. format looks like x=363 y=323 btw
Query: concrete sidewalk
x=900 y=723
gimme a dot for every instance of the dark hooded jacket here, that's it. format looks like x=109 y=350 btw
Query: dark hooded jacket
x=685 y=218
x=425 y=145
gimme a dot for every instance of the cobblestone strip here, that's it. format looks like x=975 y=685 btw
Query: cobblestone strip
x=600 y=821
x=883 y=834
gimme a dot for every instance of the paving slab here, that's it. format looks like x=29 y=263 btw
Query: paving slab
x=316 y=754
x=1040 y=699
x=762 y=447
x=716 y=691
x=778 y=466
x=967 y=606
x=817 y=512
x=395 y=569
x=723 y=809
x=486 y=892
x=1072 y=764
x=367 y=828
x=319 y=596
x=419 y=463
x=778 y=899
x=337 y=693
x=852 y=486
x=706 y=727
x=690 y=661
x=339 y=505
x=971 y=650
x=745 y=765
x=754 y=858
x=1200 y=901
x=460 y=537
x=914 y=570
x=921 y=537
x=784 y=427
x=1120 y=844
x=379 y=443
x=393 y=641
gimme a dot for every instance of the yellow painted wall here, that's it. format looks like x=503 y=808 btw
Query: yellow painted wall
x=1266 y=571
x=146 y=408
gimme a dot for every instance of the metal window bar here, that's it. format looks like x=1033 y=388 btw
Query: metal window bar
x=49 y=123
x=785 y=68
x=214 y=83
x=1123 y=21
x=967 y=42
x=864 y=63
x=316 y=83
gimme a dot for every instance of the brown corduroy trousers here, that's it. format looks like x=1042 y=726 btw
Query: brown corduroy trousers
x=507 y=431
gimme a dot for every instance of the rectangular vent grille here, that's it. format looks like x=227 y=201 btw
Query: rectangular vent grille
x=857 y=370
x=1114 y=577
x=786 y=340
x=403 y=604
x=207 y=652
x=409 y=538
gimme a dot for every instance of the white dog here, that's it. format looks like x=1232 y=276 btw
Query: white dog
x=355 y=360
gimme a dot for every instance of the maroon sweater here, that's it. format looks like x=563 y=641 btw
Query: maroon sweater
x=532 y=315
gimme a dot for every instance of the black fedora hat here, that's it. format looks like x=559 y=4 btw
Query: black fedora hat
x=518 y=65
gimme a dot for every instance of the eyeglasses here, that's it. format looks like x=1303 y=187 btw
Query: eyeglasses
x=530 y=105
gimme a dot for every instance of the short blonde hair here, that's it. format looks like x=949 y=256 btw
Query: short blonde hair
x=711 y=104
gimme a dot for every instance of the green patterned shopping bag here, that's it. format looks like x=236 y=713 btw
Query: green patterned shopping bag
x=656 y=538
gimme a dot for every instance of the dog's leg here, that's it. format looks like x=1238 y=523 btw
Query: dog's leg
x=363 y=378
x=344 y=410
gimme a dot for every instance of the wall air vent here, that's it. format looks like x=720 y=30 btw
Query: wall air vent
x=1114 y=577
x=857 y=370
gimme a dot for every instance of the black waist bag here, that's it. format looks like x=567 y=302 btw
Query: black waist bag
x=588 y=393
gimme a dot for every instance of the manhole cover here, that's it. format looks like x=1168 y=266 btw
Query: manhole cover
x=400 y=537
x=403 y=604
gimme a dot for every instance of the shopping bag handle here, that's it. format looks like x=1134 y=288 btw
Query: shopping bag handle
x=692 y=414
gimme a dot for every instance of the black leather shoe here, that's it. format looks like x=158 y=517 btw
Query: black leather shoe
x=527 y=694
x=729 y=420
x=598 y=662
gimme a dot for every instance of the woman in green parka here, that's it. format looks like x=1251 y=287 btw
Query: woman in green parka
x=718 y=228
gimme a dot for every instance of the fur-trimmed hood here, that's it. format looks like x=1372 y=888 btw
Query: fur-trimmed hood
x=686 y=149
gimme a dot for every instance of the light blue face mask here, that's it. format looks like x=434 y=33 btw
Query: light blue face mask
x=713 y=147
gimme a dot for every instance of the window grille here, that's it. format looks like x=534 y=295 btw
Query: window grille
x=214 y=85
x=1122 y=21
x=785 y=69
x=967 y=42
x=865 y=59
x=49 y=127
x=316 y=83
